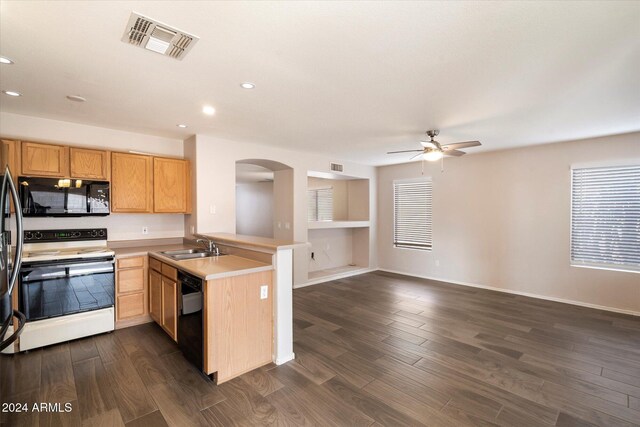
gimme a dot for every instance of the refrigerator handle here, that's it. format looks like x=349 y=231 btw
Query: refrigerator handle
x=19 y=230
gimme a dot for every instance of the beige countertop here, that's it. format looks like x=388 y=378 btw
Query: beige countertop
x=145 y=249
x=255 y=241
x=206 y=268
x=216 y=267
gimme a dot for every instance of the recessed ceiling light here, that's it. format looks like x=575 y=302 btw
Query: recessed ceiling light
x=182 y=126
x=76 y=98
x=208 y=110
x=11 y=93
x=5 y=60
x=247 y=85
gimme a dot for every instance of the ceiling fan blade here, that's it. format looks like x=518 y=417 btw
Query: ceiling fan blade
x=428 y=144
x=457 y=145
x=417 y=155
x=404 y=151
x=454 y=153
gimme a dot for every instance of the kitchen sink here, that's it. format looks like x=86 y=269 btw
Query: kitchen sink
x=184 y=254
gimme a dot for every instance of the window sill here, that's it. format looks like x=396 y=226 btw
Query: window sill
x=621 y=269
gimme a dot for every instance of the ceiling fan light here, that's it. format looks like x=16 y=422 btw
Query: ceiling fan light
x=433 y=155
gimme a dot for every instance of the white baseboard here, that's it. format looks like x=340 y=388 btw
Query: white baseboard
x=285 y=359
x=525 y=294
x=334 y=277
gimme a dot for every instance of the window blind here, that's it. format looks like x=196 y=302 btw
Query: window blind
x=605 y=216
x=320 y=204
x=412 y=226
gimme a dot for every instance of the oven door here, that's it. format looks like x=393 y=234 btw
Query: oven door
x=57 y=288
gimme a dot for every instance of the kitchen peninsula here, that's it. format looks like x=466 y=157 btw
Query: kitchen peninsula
x=246 y=298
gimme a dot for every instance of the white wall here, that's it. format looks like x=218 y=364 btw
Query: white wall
x=332 y=247
x=502 y=219
x=216 y=163
x=120 y=226
x=254 y=209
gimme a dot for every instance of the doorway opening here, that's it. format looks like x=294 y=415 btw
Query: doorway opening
x=264 y=199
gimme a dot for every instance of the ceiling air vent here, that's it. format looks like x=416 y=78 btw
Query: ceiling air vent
x=157 y=37
x=336 y=167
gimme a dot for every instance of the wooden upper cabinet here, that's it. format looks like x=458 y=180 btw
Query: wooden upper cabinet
x=11 y=156
x=44 y=159
x=171 y=185
x=89 y=164
x=131 y=183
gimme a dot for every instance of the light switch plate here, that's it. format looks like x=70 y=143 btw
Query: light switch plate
x=264 y=292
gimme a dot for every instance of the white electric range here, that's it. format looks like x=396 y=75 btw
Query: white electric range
x=66 y=286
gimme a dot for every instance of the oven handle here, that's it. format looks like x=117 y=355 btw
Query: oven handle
x=33 y=266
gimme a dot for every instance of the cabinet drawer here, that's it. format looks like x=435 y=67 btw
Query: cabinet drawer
x=155 y=264
x=131 y=262
x=130 y=280
x=169 y=272
x=131 y=305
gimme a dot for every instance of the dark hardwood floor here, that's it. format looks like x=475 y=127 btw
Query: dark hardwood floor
x=376 y=349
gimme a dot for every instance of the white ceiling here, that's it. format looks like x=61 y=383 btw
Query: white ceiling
x=348 y=79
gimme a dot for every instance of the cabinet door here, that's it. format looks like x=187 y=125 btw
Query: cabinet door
x=130 y=305
x=131 y=178
x=10 y=155
x=89 y=164
x=155 y=296
x=171 y=185
x=44 y=159
x=170 y=307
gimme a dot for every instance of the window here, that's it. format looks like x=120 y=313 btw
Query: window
x=321 y=204
x=412 y=214
x=605 y=217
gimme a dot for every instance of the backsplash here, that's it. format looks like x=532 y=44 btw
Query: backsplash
x=119 y=226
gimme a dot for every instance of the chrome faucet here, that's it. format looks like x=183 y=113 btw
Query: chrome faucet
x=210 y=245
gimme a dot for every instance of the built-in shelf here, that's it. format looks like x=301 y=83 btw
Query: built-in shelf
x=317 y=225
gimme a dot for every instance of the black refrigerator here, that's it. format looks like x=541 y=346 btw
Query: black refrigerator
x=11 y=319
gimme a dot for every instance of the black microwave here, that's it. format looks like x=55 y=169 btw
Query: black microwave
x=63 y=197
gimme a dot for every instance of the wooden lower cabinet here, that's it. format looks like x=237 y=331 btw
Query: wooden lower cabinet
x=155 y=296
x=163 y=298
x=238 y=325
x=132 y=293
x=170 y=307
x=130 y=305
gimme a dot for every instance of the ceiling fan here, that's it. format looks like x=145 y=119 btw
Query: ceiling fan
x=433 y=151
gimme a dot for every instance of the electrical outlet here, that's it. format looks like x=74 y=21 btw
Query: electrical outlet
x=193 y=229
x=287 y=225
x=279 y=224
x=264 y=291
x=145 y=230
x=212 y=209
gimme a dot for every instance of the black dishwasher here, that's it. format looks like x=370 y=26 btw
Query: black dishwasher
x=190 y=319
